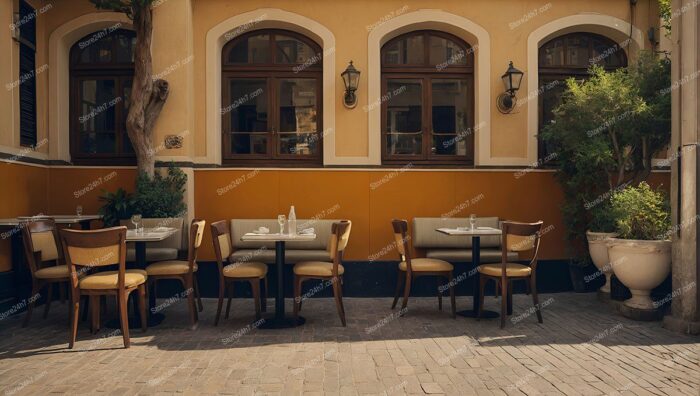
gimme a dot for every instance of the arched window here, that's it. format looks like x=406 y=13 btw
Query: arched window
x=566 y=56
x=101 y=72
x=272 y=95
x=427 y=100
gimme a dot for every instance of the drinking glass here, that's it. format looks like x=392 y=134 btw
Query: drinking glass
x=79 y=210
x=281 y=219
x=136 y=220
x=472 y=220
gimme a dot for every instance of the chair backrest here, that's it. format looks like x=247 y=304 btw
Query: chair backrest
x=401 y=239
x=196 y=234
x=521 y=237
x=221 y=237
x=176 y=241
x=95 y=248
x=41 y=242
x=425 y=236
x=340 y=235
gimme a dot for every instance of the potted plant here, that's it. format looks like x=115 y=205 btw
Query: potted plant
x=601 y=228
x=641 y=253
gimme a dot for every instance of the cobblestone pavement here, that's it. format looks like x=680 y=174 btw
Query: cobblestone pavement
x=582 y=348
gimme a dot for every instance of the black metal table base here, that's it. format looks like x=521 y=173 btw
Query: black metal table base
x=272 y=322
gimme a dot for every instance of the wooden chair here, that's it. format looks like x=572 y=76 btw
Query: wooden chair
x=184 y=271
x=241 y=271
x=409 y=269
x=517 y=237
x=45 y=262
x=86 y=250
x=329 y=272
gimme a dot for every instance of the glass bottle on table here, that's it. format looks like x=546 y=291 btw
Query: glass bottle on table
x=292 y=221
x=281 y=220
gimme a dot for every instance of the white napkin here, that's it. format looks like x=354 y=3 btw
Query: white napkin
x=261 y=231
x=307 y=231
x=161 y=229
x=463 y=228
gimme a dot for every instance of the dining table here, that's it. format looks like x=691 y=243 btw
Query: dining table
x=279 y=320
x=475 y=233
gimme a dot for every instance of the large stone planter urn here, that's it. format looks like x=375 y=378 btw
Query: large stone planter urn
x=641 y=266
x=598 y=249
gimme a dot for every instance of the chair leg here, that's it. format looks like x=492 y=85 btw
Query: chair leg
x=482 y=286
x=94 y=313
x=535 y=298
x=406 y=291
x=189 y=286
x=297 y=295
x=74 y=317
x=230 y=296
x=142 y=306
x=452 y=295
x=124 y=317
x=49 y=297
x=32 y=301
x=504 y=301
x=263 y=294
x=439 y=293
x=220 y=303
x=338 y=300
x=255 y=287
x=196 y=293
x=400 y=281
x=510 y=297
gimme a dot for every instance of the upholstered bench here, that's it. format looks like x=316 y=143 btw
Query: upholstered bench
x=295 y=252
x=167 y=249
x=454 y=248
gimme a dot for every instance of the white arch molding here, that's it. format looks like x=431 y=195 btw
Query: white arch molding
x=265 y=18
x=611 y=27
x=60 y=43
x=470 y=32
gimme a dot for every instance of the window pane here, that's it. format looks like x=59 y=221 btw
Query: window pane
x=408 y=50
x=298 y=113
x=247 y=105
x=125 y=48
x=97 y=104
x=98 y=143
x=249 y=143
x=404 y=119
x=291 y=50
x=451 y=104
x=444 y=51
x=607 y=53
x=299 y=143
x=126 y=94
x=253 y=49
x=577 y=51
x=552 y=54
x=104 y=50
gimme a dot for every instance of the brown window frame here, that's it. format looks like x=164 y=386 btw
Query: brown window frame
x=428 y=72
x=119 y=72
x=549 y=74
x=271 y=72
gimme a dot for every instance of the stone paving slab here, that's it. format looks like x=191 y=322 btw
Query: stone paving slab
x=583 y=348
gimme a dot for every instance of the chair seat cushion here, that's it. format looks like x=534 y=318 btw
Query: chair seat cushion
x=291 y=256
x=154 y=254
x=245 y=270
x=316 y=268
x=427 y=265
x=465 y=255
x=170 y=267
x=512 y=269
x=53 y=272
x=109 y=279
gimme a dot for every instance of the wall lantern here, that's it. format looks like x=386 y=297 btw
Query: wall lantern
x=351 y=79
x=511 y=79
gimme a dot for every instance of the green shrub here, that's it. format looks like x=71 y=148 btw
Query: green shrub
x=602 y=218
x=117 y=206
x=162 y=196
x=642 y=213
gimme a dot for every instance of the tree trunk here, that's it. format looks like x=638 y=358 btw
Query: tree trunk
x=147 y=96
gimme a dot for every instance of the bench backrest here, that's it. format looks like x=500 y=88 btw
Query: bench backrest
x=241 y=226
x=425 y=236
